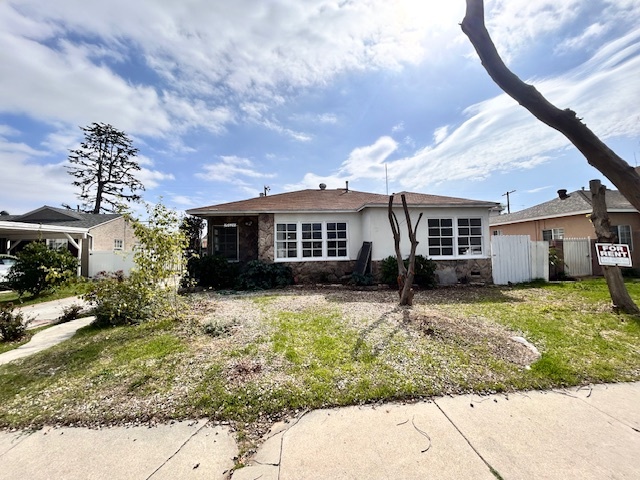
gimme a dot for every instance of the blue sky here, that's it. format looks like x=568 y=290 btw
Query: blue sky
x=223 y=98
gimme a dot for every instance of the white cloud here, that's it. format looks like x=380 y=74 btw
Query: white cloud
x=440 y=134
x=232 y=169
x=498 y=135
x=399 y=127
x=538 y=189
x=591 y=33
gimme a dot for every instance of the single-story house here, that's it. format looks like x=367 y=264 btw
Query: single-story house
x=321 y=232
x=82 y=233
x=567 y=216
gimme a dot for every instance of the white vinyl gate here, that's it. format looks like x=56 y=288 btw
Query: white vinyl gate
x=577 y=256
x=516 y=259
x=110 y=262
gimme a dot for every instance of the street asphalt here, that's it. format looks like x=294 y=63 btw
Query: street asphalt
x=582 y=433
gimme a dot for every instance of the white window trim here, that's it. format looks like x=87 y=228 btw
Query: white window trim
x=299 y=240
x=118 y=248
x=456 y=255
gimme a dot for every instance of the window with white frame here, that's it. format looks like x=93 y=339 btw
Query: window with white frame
x=287 y=240
x=623 y=234
x=336 y=239
x=469 y=236
x=455 y=236
x=118 y=244
x=553 y=234
x=311 y=240
x=440 y=232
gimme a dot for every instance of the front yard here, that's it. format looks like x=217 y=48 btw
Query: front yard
x=253 y=358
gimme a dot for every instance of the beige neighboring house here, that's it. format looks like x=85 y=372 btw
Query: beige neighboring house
x=568 y=217
x=82 y=233
x=327 y=234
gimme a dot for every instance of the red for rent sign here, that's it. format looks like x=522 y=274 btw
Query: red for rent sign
x=613 y=254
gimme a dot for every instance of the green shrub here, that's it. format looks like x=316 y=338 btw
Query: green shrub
x=12 y=325
x=211 y=271
x=362 y=280
x=117 y=300
x=69 y=313
x=425 y=271
x=258 y=275
x=40 y=269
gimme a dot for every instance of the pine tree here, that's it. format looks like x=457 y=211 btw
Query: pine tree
x=104 y=169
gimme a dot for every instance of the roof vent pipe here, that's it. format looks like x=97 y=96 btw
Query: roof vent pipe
x=323 y=186
x=562 y=194
x=346 y=189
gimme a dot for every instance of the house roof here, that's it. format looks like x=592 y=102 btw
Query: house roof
x=62 y=217
x=330 y=200
x=576 y=203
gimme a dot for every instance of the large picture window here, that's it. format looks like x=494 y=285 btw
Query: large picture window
x=225 y=241
x=452 y=237
x=311 y=240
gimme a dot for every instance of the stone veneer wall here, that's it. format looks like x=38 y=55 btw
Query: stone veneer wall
x=322 y=272
x=451 y=272
x=265 y=237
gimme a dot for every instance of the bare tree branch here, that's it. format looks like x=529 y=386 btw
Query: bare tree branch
x=619 y=172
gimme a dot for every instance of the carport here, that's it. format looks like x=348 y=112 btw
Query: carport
x=12 y=233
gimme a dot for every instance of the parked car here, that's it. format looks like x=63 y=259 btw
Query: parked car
x=6 y=262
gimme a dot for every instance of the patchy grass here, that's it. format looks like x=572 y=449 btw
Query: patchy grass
x=254 y=358
x=65 y=291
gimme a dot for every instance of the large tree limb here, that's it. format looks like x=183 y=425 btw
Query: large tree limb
x=600 y=219
x=619 y=172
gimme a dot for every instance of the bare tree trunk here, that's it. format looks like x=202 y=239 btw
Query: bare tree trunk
x=405 y=276
x=621 y=174
x=600 y=218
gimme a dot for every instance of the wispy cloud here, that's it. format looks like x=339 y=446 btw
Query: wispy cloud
x=232 y=169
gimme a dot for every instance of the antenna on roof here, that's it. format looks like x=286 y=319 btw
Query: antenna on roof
x=386 y=178
x=266 y=189
x=508 y=203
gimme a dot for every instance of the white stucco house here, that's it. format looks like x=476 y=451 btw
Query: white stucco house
x=320 y=232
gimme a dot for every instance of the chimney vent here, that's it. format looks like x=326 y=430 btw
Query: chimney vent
x=323 y=186
x=562 y=194
x=346 y=186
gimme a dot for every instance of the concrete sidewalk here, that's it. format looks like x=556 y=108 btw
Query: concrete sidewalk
x=577 y=433
x=45 y=313
x=572 y=434
x=46 y=338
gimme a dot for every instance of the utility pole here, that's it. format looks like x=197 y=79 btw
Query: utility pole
x=508 y=203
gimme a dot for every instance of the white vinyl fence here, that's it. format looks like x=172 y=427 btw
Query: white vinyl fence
x=110 y=262
x=516 y=259
x=577 y=256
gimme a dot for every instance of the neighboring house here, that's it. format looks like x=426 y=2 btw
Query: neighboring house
x=82 y=233
x=568 y=217
x=320 y=233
